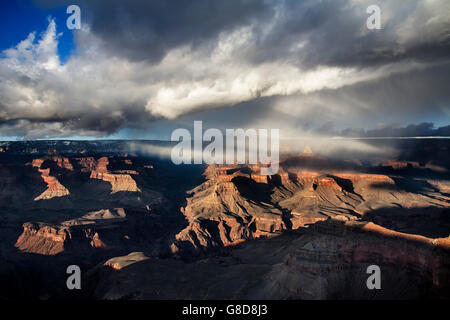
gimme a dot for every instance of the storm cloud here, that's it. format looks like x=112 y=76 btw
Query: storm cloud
x=290 y=64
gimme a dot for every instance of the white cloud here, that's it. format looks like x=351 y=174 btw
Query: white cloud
x=96 y=92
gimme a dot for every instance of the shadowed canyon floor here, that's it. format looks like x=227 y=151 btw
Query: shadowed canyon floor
x=142 y=228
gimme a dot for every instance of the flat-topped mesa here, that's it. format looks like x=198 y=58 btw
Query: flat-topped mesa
x=228 y=173
x=325 y=182
x=102 y=164
x=260 y=178
x=118 y=263
x=305 y=177
x=370 y=178
x=331 y=180
x=131 y=172
x=62 y=162
x=339 y=227
x=219 y=215
x=101 y=216
x=400 y=164
x=37 y=163
x=54 y=188
x=120 y=180
x=230 y=177
x=215 y=170
x=46 y=239
x=80 y=235
x=310 y=179
x=42 y=239
x=87 y=163
x=91 y=164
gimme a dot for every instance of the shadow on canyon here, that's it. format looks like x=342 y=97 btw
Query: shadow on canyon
x=431 y=222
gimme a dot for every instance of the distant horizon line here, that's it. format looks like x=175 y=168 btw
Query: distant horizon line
x=286 y=138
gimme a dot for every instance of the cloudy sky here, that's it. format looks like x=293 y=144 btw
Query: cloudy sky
x=139 y=69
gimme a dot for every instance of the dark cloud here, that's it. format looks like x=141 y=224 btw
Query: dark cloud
x=304 y=65
x=424 y=129
x=147 y=30
x=337 y=36
x=332 y=32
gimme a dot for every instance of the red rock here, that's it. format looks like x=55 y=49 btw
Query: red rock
x=62 y=162
x=119 y=182
x=42 y=239
x=54 y=187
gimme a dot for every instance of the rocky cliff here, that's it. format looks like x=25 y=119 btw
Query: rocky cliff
x=236 y=204
x=336 y=254
x=121 y=181
x=42 y=239
x=50 y=239
x=54 y=187
x=308 y=232
x=76 y=235
x=328 y=261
